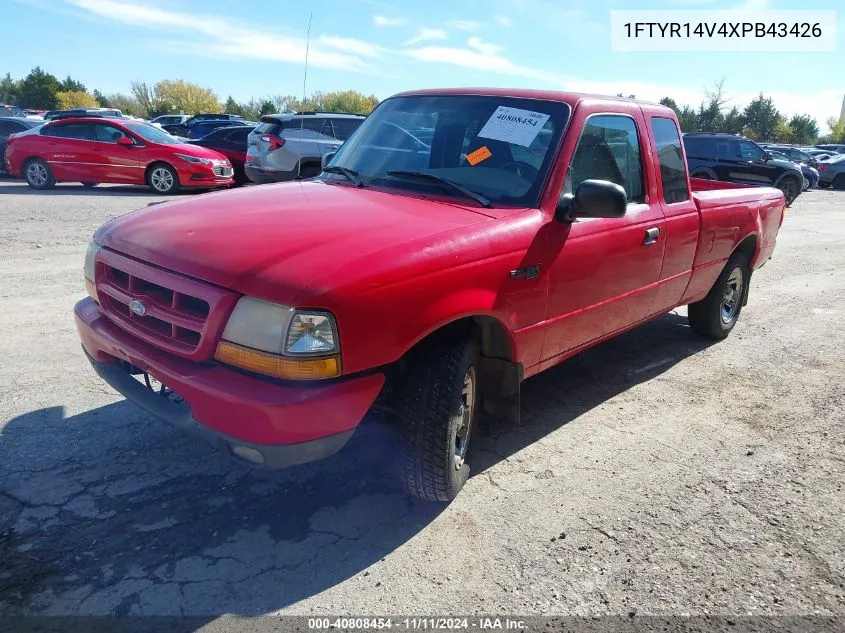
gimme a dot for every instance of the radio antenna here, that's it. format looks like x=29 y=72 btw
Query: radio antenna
x=304 y=93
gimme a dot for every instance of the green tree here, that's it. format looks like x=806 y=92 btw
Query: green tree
x=38 y=90
x=187 y=97
x=837 y=130
x=267 y=107
x=733 y=121
x=669 y=102
x=75 y=99
x=350 y=101
x=127 y=104
x=761 y=117
x=68 y=84
x=805 y=130
x=688 y=119
x=783 y=133
x=101 y=99
x=9 y=89
x=233 y=107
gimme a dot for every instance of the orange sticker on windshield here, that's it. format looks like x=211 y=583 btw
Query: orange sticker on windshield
x=482 y=153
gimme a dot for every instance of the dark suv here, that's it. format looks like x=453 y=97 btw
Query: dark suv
x=735 y=158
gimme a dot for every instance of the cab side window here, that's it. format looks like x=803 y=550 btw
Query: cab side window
x=609 y=149
x=673 y=171
x=750 y=151
x=78 y=131
x=107 y=133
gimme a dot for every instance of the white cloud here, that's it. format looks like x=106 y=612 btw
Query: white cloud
x=223 y=38
x=486 y=48
x=383 y=20
x=358 y=47
x=424 y=35
x=482 y=56
x=464 y=25
x=503 y=21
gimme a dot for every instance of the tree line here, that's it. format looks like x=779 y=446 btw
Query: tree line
x=760 y=119
x=40 y=90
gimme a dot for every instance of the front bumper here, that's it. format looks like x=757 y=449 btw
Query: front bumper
x=286 y=424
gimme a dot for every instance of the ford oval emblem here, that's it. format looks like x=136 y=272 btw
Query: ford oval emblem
x=137 y=308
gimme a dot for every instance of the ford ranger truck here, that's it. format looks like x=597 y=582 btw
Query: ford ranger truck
x=458 y=243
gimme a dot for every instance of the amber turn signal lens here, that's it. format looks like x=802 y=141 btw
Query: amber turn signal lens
x=91 y=289
x=277 y=366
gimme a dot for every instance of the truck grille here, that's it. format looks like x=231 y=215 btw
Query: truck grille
x=223 y=171
x=170 y=311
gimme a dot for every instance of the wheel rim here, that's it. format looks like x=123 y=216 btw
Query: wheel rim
x=161 y=179
x=732 y=298
x=466 y=414
x=36 y=173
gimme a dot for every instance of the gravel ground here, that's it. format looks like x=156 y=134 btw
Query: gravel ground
x=656 y=473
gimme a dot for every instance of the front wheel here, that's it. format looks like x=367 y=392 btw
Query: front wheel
x=162 y=178
x=437 y=414
x=806 y=184
x=716 y=315
x=839 y=182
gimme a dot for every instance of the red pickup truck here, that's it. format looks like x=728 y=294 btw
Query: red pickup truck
x=458 y=243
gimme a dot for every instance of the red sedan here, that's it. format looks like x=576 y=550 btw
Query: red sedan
x=92 y=150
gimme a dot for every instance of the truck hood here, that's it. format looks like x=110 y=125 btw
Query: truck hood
x=272 y=241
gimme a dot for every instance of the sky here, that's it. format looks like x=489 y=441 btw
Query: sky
x=255 y=48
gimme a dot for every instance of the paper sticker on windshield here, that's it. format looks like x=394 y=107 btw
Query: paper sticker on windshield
x=513 y=125
x=482 y=153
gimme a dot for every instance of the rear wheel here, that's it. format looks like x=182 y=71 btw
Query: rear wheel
x=806 y=184
x=38 y=174
x=839 y=182
x=162 y=178
x=437 y=413
x=790 y=188
x=716 y=315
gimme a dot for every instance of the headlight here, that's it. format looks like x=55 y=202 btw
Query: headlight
x=311 y=333
x=88 y=270
x=195 y=160
x=280 y=341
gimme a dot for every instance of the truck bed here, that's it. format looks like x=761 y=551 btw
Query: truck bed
x=729 y=212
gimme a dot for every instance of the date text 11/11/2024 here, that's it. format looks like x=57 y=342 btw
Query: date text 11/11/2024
x=416 y=624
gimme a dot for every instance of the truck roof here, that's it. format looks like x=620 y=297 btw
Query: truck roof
x=572 y=98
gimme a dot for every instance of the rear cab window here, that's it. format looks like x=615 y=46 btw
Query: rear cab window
x=670 y=156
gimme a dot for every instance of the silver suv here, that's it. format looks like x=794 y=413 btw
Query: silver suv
x=288 y=146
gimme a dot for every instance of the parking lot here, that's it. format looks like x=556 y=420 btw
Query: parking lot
x=654 y=474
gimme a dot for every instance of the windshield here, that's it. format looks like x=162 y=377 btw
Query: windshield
x=152 y=133
x=498 y=147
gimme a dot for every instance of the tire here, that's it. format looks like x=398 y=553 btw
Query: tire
x=839 y=182
x=38 y=174
x=716 y=315
x=806 y=185
x=704 y=174
x=308 y=171
x=90 y=185
x=437 y=411
x=823 y=185
x=162 y=178
x=791 y=188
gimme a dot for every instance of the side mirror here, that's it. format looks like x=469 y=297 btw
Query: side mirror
x=768 y=156
x=126 y=141
x=592 y=199
x=327 y=158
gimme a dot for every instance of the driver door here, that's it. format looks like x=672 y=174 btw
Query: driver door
x=604 y=272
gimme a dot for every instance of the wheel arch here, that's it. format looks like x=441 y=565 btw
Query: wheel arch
x=500 y=373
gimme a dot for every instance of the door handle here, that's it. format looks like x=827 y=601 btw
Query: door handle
x=651 y=235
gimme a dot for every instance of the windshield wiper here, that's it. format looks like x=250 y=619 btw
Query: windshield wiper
x=421 y=175
x=351 y=174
